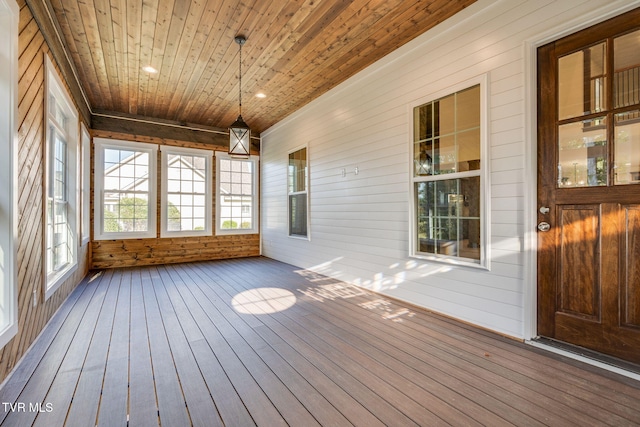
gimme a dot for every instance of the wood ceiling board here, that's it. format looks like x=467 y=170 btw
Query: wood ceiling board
x=295 y=52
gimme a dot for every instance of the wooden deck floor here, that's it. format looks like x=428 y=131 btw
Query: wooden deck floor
x=257 y=342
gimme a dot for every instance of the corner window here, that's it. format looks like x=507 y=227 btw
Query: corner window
x=186 y=192
x=298 y=200
x=125 y=190
x=447 y=167
x=9 y=15
x=236 y=195
x=61 y=182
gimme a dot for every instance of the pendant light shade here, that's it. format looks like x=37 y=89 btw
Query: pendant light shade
x=239 y=138
x=239 y=131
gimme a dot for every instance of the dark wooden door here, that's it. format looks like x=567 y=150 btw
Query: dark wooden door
x=589 y=188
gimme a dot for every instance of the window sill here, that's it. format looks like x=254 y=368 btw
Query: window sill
x=450 y=261
x=126 y=236
x=55 y=281
x=180 y=234
x=8 y=333
x=293 y=236
x=232 y=232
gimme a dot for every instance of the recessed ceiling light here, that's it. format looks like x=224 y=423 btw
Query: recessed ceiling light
x=149 y=69
x=260 y=95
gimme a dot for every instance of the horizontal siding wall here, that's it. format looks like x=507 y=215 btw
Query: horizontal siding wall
x=30 y=246
x=359 y=223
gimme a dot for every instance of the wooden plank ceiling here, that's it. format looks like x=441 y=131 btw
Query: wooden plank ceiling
x=295 y=51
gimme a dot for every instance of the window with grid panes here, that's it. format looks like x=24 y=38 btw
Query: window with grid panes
x=186 y=192
x=61 y=182
x=446 y=177
x=125 y=189
x=298 y=193
x=236 y=195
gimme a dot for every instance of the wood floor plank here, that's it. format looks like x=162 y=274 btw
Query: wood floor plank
x=115 y=390
x=66 y=380
x=198 y=400
x=549 y=381
x=546 y=401
x=561 y=406
x=317 y=405
x=172 y=410
x=429 y=364
x=86 y=396
x=16 y=382
x=44 y=375
x=410 y=397
x=346 y=379
x=573 y=382
x=227 y=401
x=143 y=406
x=259 y=406
x=282 y=398
x=480 y=352
x=423 y=368
x=254 y=341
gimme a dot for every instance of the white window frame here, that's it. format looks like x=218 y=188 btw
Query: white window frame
x=306 y=191
x=483 y=173
x=254 y=215
x=164 y=195
x=56 y=89
x=9 y=16
x=85 y=180
x=100 y=144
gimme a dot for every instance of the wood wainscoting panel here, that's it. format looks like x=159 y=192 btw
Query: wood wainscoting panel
x=630 y=286
x=579 y=278
x=139 y=252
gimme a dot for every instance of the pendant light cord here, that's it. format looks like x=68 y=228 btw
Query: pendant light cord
x=240 y=80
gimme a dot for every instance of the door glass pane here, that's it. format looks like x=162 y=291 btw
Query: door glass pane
x=626 y=82
x=582 y=82
x=627 y=148
x=582 y=154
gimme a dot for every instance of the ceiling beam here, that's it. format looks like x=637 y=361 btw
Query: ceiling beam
x=159 y=128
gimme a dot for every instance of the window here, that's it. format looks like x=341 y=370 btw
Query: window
x=85 y=178
x=61 y=182
x=297 y=192
x=186 y=192
x=236 y=198
x=125 y=189
x=447 y=147
x=9 y=13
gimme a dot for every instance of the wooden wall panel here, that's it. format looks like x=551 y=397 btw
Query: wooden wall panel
x=630 y=286
x=138 y=252
x=30 y=248
x=579 y=278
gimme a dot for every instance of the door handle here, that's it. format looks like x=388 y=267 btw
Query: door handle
x=544 y=226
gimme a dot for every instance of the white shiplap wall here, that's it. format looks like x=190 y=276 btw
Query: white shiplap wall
x=360 y=223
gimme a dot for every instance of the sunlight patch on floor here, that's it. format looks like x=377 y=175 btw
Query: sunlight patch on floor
x=263 y=301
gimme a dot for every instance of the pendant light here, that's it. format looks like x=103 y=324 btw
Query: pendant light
x=239 y=131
